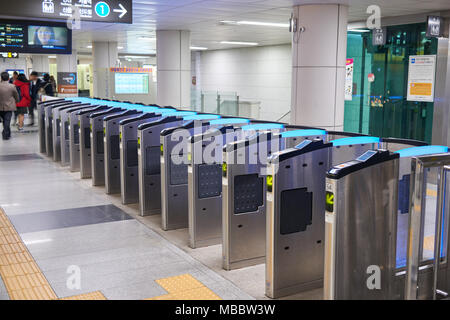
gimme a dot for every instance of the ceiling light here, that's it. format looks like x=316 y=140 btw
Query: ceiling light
x=147 y=38
x=119 y=48
x=198 y=48
x=359 y=30
x=89 y=47
x=52 y=57
x=256 y=23
x=244 y=43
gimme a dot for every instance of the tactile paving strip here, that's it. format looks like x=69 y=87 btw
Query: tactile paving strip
x=96 y=295
x=184 y=287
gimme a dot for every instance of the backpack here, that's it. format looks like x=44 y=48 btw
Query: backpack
x=20 y=94
x=41 y=92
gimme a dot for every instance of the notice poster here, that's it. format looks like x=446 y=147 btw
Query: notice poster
x=421 y=75
x=349 y=80
x=67 y=83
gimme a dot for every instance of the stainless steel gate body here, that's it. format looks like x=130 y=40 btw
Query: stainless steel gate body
x=74 y=138
x=97 y=145
x=244 y=200
x=174 y=177
x=129 y=178
x=112 y=149
x=56 y=130
x=205 y=183
x=48 y=122
x=65 y=132
x=360 y=227
x=85 y=140
x=149 y=155
x=41 y=121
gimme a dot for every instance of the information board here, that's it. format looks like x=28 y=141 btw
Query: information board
x=112 y=11
x=349 y=80
x=35 y=37
x=131 y=83
x=421 y=78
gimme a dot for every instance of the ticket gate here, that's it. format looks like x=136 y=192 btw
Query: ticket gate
x=205 y=181
x=74 y=138
x=360 y=227
x=97 y=145
x=41 y=121
x=149 y=159
x=65 y=131
x=112 y=149
x=85 y=139
x=174 y=171
x=129 y=178
x=48 y=122
x=235 y=187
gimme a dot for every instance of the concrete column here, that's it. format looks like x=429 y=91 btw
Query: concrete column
x=174 y=68
x=318 y=65
x=105 y=56
x=40 y=63
x=66 y=63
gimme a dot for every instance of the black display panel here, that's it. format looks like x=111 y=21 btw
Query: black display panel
x=112 y=11
x=35 y=37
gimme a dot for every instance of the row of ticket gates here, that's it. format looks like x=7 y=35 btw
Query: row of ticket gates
x=361 y=216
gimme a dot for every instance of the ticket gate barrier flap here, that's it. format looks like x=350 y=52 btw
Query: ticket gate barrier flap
x=48 y=123
x=427 y=263
x=129 y=177
x=352 y=146
x=295 y=220
x=334 y=135
x=174 y=176
x=112 y=149
x=65 y=132
x=56 y=130
x=396 y=144
x=74 y=138
x=205 y=185
x=85 y=139
x=149 y=157
x=41 y=122
x=97 y=144
x=360 y=227
x=244 y=201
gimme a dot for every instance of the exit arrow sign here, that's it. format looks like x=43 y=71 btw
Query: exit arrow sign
x=10 y=55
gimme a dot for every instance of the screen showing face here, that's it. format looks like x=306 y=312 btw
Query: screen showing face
x=47 y=37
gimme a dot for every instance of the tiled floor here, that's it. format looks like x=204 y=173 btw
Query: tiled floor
x=71 y=228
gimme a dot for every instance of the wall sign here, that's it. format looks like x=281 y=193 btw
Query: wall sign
x=112 y=11
x=13 y=55
x=67 y=83
x=379 y=37
x=434 y=24
x=349 y=80
x=421 y=76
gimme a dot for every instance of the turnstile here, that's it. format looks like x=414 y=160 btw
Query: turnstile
x=205 y=181
x=48 y=123
x=65 y=132
x=112 y=149
x=360 y=227
x=129 y=178
x=85 y=139
x=149 y=163
x=174 y=172
x=41 y=121
x=97 y=145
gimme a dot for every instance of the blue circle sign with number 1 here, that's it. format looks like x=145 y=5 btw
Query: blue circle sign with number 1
x=102 y=9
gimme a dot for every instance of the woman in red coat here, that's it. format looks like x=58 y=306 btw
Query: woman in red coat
x=23 y=86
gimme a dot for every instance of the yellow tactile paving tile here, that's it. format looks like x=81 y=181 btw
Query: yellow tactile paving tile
x=96 y=295
x=184 y=287
x=21 y=275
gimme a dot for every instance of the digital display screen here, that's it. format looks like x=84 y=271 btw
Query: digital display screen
x=35 y=37
x=132 y=83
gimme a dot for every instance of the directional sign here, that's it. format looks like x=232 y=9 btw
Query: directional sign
x=111 y=11
x=13 y=55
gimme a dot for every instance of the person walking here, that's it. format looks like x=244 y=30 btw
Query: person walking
x=35 y=85
x=8 y=99
x=46 y=87
x=25 y=99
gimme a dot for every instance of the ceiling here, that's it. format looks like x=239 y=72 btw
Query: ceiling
x=202 y=18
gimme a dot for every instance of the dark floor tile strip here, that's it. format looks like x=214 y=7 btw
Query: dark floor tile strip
x=18 y=157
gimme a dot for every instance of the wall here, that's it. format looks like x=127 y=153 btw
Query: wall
x=20 y=63
x=256 y=74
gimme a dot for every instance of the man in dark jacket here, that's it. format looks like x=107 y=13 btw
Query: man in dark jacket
x=35 y=85
x=8 y=99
